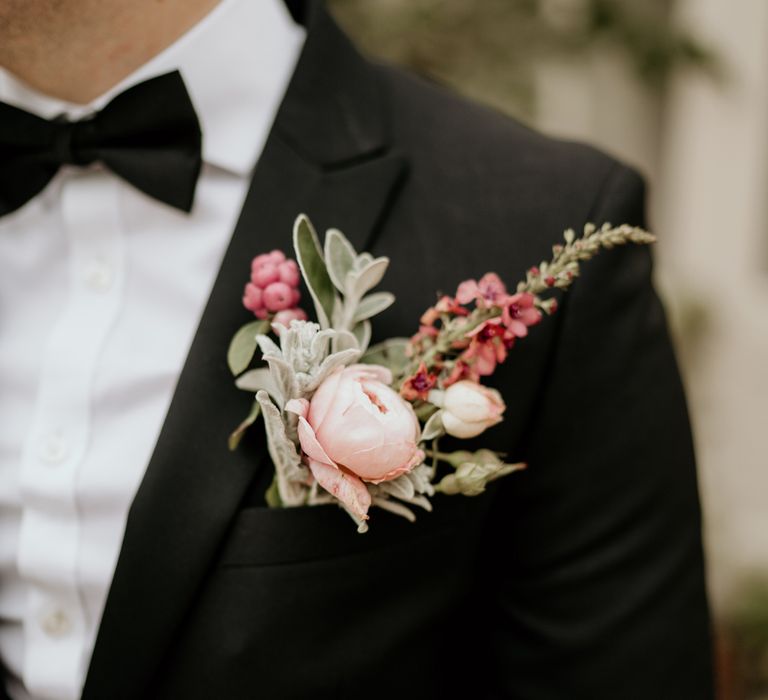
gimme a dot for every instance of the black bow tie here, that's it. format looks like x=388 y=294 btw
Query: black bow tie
x=149 y=135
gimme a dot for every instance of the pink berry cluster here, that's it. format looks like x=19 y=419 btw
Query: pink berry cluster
x=274 y=288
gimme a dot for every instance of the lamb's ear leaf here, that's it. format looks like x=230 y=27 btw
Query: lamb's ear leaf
x=237 y=435
x=242 y=348
x=259 y=378
x=362 y=332
x=340 y=257
x=373 y=304
x=310 y=258
x=369 y=276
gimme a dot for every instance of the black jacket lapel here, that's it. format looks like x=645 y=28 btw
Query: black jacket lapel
x=326 y=156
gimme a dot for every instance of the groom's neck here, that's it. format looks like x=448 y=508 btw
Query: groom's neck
x=77 y=49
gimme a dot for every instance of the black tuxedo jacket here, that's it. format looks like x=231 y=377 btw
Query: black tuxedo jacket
x=581 y=577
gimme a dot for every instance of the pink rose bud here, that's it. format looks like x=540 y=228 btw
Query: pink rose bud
x=361 y=428
x=470 y=408
x=278 y=296
x=252 y=298
x=289 y=273
x=265 y=274
x=276 y=256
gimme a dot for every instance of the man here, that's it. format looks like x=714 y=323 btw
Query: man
x=138 y=559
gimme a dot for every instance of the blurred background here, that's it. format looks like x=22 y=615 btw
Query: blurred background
x=679 y=89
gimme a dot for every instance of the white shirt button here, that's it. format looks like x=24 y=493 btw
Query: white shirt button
x=56 y=623
x=98 y=275
x=53 y=449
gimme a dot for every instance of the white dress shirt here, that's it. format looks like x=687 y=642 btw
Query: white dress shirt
x=101 y=290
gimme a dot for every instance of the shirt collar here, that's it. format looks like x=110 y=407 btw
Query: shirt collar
x=236 y=64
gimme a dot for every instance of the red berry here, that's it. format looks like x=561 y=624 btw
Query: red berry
x=278 y=296
x=289 y=273
x=265 y=274
x=252 y=297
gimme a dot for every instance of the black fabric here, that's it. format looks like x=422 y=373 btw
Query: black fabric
x=581 y=577
x=149 y=135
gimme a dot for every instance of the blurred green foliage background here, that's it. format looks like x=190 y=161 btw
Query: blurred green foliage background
x=488 y=49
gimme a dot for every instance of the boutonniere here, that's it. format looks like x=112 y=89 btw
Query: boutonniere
x=360 y=426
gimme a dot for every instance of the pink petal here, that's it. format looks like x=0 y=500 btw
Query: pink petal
x=491 y=286
x=518 y=328
x=416 y=459
x=324 y=398
x=467 y=292
x=347 y=488
x=298 y=406
x=310 y=444
x=375 y=372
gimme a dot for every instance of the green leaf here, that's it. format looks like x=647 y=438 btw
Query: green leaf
x=310 y=259
x=255 y=379
x=369 y=276
x=243 y=346
x=373 y=304
x=434 y=427
x=390 y=353
x=339 y=257
x=237 y=435
x=362 y=332
x=272 y=496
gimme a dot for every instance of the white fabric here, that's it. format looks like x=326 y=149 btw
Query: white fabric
x=101 y=290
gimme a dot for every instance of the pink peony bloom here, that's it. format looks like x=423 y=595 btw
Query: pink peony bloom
x=359 y=426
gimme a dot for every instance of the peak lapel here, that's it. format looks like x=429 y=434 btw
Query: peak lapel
x=327 y=155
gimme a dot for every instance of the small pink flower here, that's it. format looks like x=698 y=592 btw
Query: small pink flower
x=492 y=289
x=467 y=292
x=488 y=291
x=519 y=313
x=419 y=385
x=360 y=427
x=461 y=370
x=488 y=346
x=449 y=305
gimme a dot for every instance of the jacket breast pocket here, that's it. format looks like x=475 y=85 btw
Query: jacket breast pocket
x=261 y=536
